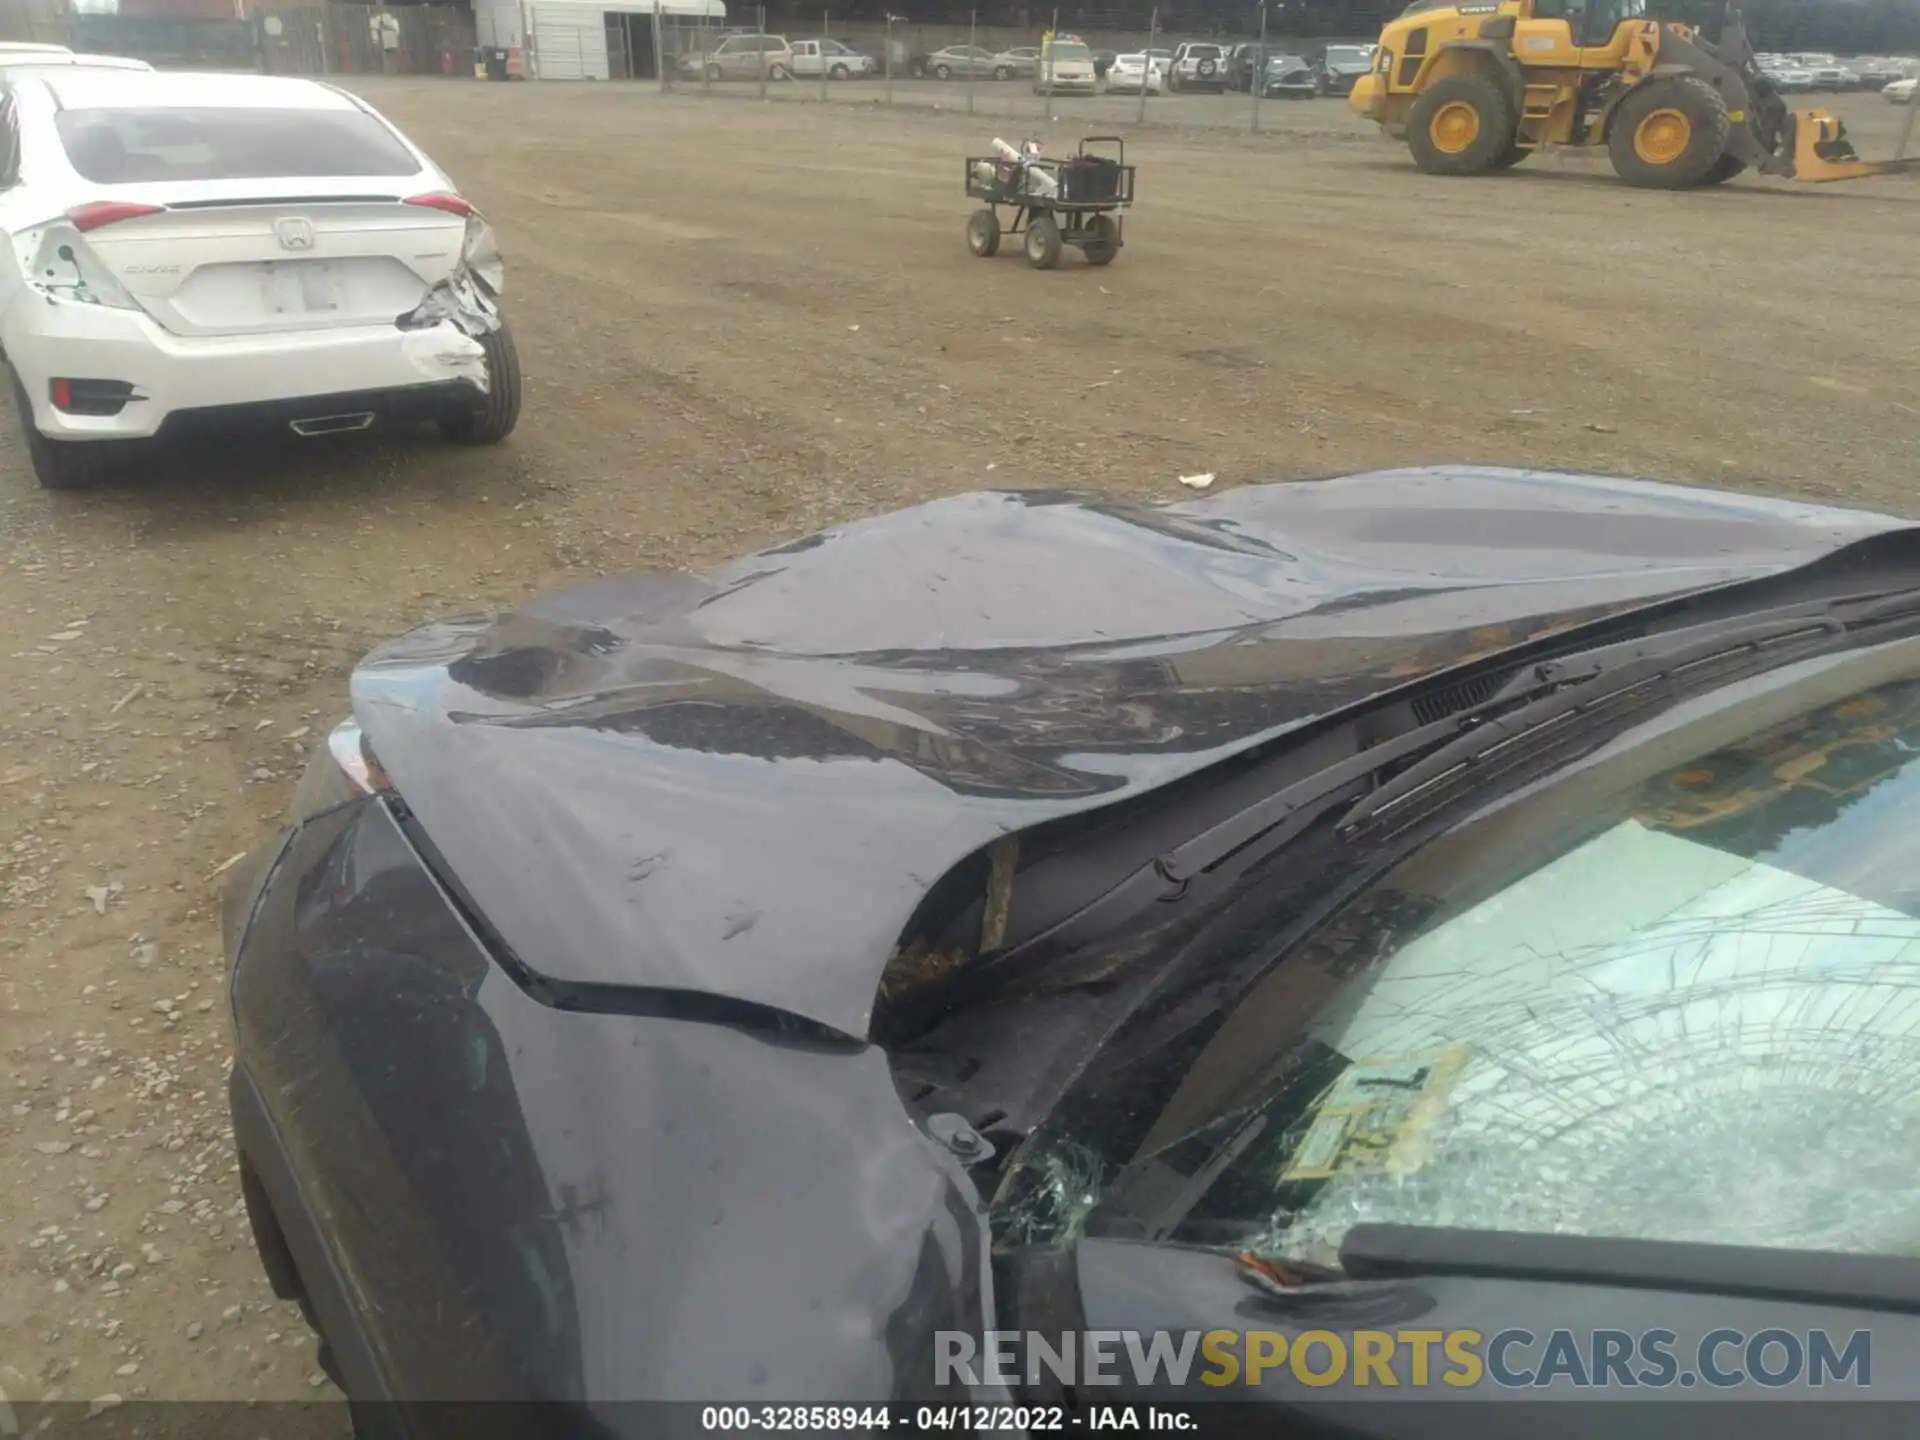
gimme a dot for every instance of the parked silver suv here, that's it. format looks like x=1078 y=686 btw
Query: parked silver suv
x=1198 y=66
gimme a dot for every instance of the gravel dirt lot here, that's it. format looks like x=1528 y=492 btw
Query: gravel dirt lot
x=741 y=321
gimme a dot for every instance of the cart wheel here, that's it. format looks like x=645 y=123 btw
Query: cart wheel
x=1043 y=242
x=1102 y=242
x=983 y=233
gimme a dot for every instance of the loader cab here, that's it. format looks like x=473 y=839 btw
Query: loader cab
x=1576 y=34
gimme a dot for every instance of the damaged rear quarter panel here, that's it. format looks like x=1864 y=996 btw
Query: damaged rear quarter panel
x=445 y=328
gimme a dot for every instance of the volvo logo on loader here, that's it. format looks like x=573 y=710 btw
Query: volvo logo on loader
x=294 y=232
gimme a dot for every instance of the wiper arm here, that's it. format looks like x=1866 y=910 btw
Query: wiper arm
x=1398 y=1252
x=1556 y=698
x=1540 y=694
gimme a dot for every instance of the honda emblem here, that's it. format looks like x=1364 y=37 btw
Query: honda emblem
x=294 y=232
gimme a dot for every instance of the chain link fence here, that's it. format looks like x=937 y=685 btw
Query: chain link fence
x=331 y=39
x=1054 y=68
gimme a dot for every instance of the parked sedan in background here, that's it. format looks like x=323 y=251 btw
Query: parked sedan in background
x=967 y=62
x=1880 y=71
x=1834 y=77
x=1290 y=77
x=1021 y=61
x=1342 y=65
x=185 y=253
x=1132 y=73
x=1900 y=92
x=1118 y=913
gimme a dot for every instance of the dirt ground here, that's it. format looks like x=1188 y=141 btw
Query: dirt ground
x=740 y=321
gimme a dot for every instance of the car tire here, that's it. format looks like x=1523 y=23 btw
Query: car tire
x=61 y=464
x=1669 y=134
x=983 y=233
x=714 y=73
x=1104 y=242
x=491 y=421
x=779 y=72
x=1462 y=125
x=943 y=72
x=1043 y=242
x=839 y=72
x=1001 y=72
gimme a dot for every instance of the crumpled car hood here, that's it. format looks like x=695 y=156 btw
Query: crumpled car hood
x=743 y=782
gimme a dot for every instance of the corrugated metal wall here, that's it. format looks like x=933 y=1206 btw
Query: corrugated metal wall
x=569 y=41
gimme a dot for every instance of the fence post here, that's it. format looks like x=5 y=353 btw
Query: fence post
x=760 y=29
x=888 y=59
x=659 y=49
x=973 y=44
x=1046 y=63
x=706 y=69
x=1258 y=82
x=826 y=19
x=1906 y=130
x=1146 y=80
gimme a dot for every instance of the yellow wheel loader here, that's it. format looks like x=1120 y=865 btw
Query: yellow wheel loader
x=1473 y=88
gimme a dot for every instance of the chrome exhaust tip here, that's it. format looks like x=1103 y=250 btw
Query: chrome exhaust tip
x=331 y=424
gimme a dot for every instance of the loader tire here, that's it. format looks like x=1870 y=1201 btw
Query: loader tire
x=1669 y=134
x=1462 y=125
x=1724 y=169
x=1515 y=154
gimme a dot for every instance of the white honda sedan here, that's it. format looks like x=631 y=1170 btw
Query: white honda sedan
x=197 y=253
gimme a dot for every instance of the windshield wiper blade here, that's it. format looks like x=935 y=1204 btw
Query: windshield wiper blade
x=1588 y=677
x=1555 y=699
x=1596 y=683
x=1400 y=1252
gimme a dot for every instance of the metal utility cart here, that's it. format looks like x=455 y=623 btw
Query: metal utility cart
x=1076 y=201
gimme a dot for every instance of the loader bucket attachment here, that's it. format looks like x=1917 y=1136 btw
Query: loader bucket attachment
x=1822 y=152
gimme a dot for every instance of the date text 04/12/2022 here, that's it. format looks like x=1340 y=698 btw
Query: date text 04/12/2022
x=943 y=1419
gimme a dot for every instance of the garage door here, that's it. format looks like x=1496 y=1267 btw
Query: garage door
x=570 y=43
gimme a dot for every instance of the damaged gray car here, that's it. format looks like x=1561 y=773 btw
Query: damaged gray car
x=195 y=253
x=1409 y=898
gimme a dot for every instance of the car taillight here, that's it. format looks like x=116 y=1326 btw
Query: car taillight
x=344 y=770
x=441 y=200
x=108 y=212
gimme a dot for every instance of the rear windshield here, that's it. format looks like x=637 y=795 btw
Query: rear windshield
x=136 y=146
x=1348 y=55
x=1066 y=51
x=1205 y=52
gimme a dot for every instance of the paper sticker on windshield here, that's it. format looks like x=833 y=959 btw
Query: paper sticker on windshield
x=1378 y=1117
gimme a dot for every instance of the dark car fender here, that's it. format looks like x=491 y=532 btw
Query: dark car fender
x=489 y=1198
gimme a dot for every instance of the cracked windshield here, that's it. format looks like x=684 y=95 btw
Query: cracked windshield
x=1679 y=1009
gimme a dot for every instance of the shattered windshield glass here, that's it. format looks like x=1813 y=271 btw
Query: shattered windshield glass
x=1673 y=994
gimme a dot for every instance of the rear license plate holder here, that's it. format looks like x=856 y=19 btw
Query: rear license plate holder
x=304 y=288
